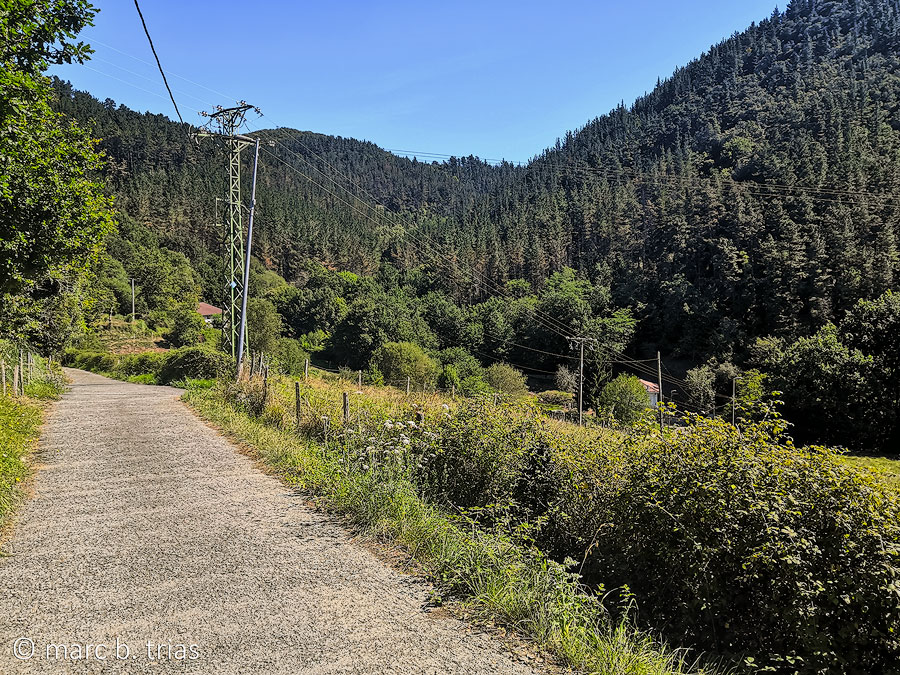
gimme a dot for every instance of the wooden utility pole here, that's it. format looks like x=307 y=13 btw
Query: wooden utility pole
x=659 y=399
x=580 y=341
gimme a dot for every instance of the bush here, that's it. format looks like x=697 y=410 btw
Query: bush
x=739 y=543
x=506 y=379
x=625 y=398
x=399 y=360
x=187 y=328
x=141 y=364
x=474 y=385
x=194 y=362
x=98 y=362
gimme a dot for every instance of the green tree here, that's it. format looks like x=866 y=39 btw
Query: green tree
x=263 y=325
x=625 y=398
x=53 y=214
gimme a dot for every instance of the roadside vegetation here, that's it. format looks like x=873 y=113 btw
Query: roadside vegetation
x=372 y=471
x=20 y=422
x=754 y=553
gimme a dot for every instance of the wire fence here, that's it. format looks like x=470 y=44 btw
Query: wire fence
x=21 y=369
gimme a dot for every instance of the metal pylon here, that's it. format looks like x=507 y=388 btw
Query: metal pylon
x=229 y=121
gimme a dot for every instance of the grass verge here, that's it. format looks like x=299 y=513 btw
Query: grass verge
x=497 y=578
x=20 y=422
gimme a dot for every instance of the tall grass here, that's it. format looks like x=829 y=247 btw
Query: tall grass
x=499 y=577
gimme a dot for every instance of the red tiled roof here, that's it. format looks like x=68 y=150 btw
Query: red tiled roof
x=205 y=309
x=651 y=387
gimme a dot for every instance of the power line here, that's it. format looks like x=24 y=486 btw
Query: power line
x=180 y=77
x=619 y=357
x=144 y=77
x=158 y=64
x=548 y=321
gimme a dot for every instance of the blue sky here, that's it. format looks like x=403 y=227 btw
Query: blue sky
x=498 y=79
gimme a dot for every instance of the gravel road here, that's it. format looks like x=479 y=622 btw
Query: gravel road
x=146 y=525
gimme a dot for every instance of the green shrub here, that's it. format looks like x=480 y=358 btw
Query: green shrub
x=187 y=328
x=625 y=398
x=737 y=542
x=98 y=362
x=732 y=542
x=89 y=342
x=142 y=363
x=462 y=361
x=47 y=387
x=194 y=362
x=146 y=378
x=399 y=360
x=474 y=385
x=506 y=379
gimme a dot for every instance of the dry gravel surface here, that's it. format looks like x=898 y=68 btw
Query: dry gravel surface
x=148 y=526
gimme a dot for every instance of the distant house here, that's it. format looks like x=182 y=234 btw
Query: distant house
x=207 y=311
x=652 y=392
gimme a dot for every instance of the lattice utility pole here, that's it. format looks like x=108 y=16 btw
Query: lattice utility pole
x=229 y=120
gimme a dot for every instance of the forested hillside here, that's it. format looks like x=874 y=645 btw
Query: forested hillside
x=752 y=195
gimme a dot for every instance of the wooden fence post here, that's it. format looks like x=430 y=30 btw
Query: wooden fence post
x=16 y=380
x=346 y=409
x=297 y=401
x=306 y=370
x=407 y=385
x=359 y=383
